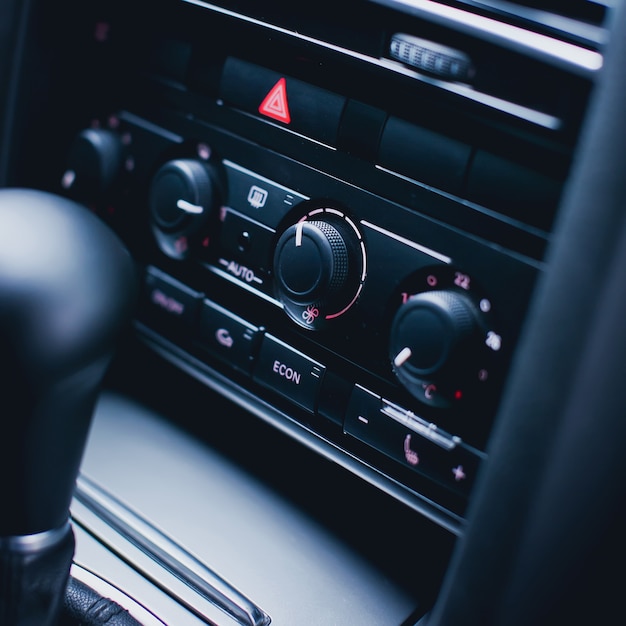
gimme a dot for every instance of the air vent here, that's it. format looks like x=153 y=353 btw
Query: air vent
x=589 y=11
x=581 y=21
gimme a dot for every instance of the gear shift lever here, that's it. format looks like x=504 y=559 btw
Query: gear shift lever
x=67 y=288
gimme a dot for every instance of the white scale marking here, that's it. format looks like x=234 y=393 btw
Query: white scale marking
x=299 y=227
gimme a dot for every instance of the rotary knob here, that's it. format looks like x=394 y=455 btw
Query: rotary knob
x=183 y=195
x=319 y=268
x=435 y=344
x=93 y=165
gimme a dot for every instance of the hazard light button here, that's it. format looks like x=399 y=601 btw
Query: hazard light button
x=276 y=103
x=291 y=103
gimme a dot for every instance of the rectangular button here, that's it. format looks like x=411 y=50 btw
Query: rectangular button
x=454 y=467
x=228 y=336
x=424 y=155
x=167 y=300
x=514 y=189
x=284 y=100
x=289 y=372
x=257 y=197
x=247 y=240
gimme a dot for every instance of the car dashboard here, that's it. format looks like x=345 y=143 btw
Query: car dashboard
x=343 y=218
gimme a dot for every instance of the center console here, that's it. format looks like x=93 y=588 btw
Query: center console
x=340 y=218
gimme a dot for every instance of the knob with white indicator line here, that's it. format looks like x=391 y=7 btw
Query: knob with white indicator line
x=437 y=343
x=183 y=195
x=319 y=267
x=93 y=165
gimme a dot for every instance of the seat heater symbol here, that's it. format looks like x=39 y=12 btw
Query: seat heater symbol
x=257 y=197
x=409 y=454
x=311 y=314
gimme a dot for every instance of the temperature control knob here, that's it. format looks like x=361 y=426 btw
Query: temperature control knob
x=183 y=195
x=93 y=165
x=437 y=338
x=319 y=267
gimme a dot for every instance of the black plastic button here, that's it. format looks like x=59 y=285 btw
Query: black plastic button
x=361 y=128
x=292 y=103
x=228 y=336
x=167 y=300
x=247 y=240
x=513 y=189
x=259 y=198
x=289 y=372
x=363 y=408
x=424 y=155
x=334 y=397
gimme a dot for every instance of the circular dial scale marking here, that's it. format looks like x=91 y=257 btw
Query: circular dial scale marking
x=320 y=265
x=442 y=340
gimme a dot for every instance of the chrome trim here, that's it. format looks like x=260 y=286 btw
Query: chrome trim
x=407 y=242
x=135 y=120
x=527 y=114
x=37 y=542
x=420 y=426
x=108 y=590
x=582 y=31
x=167 y=554
x=542 y=47
x=562 y=54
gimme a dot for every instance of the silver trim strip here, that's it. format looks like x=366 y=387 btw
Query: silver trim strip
x=196 y=576
x=407 y=242
x=131 y=118
x=25 y=544
x=420 y=426
x=538 y=118
x=570 y=26
x=548 y=49
x=108 y=590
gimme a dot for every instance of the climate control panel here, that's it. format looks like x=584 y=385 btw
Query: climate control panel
x=381 y=330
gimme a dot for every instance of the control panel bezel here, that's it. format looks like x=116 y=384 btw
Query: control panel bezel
x=168 y=99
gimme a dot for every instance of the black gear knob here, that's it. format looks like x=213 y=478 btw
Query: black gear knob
x=67 y=288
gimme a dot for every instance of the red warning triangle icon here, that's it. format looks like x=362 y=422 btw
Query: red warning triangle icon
x=275 y=104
